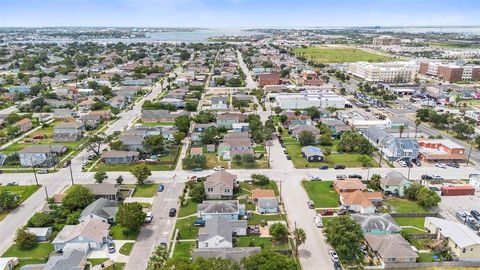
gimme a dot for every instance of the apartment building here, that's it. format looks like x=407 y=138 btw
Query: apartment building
x=386 y=40
x=390 y=72
x=450 y=72
x=306 y=99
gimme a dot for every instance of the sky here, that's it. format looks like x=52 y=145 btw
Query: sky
x=238 y=13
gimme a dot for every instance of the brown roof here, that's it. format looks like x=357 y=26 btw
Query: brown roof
x=23 y=122
x=349 y=184
x=360 y=198
x=262 y=193
x=196 y=151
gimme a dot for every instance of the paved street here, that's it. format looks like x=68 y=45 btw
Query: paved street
x=161 y=228
x=250 y=83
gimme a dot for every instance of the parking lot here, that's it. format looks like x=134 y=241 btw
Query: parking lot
x=450 y=205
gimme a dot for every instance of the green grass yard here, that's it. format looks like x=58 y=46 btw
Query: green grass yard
x=24 y=192
x=189 y=209
x=258 y=218
x=406 y=206
x=340 y=55
x=415 y=222
x=266 y=243
x=184 y=249
x=321 y=193
x=116 y=231
x=126 y=249
x=42 y=250
x=186 y=228
x=97 y=261
x=145 y=190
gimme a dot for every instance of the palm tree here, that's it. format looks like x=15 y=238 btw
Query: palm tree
x=417 y=124
x=255 y=107
x=158 y=258
x=402 y=128
x=300 y=238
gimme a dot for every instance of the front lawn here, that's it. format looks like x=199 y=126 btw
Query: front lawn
x=24 y=192
x=258 y=164
x=126 y=249
x=97 y=261
x=189 y=209
x=406 y=206
x=258 y=218
x=116 y=231
x=186 y=228
x=145 y=190
x=42 y=250
x=212 y=161
x=321 y=193
x=265 y=243
x=184 y=249
x=116 y=266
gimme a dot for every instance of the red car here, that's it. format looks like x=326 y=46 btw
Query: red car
x=327 y=212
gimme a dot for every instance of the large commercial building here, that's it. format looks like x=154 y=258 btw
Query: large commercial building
x=386 y=40
x=306 y=99
x=450 y=72
x=389 y=72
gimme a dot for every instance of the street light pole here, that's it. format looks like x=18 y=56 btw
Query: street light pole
x=34 y=172
x=46 y=193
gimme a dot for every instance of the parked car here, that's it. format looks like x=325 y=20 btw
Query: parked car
x=426 y=177
x=310 y=204
x=355 y=176
x=453 y=165
x=339 y=167
x=172 y=212
x=218 y=168
x=441 y=165
x=402 y=163
x=12 y=184
x=475 y=214
x=324 y=167
x=333 y=255
x=197 y=169
x=111 y=247
x=318 y=221
x=326 y=212
x=199 y=222
x=437 y=177
x=149 y=217
x=161 y=187
x=288 y=157
x=342 y=177
x=314 y=178
x=337 y=266
x=409 y=164
x=42 y=171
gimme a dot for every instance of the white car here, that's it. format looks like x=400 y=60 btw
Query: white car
x=318 y=221
x=218 y=168
x=149 y=217
x=436 y=177
x=441 y=165
x=333 y=256
x=314 y=178
x=85 y=163
x=402 y=163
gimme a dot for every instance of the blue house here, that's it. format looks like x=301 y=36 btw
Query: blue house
x=267 y=205
x=393 y=148
x=19 y=89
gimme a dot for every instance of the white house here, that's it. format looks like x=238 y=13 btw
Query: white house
x=219 y=103
x=85 y=236
x=102 y=209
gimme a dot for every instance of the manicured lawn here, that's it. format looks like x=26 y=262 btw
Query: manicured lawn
x=116 y=231
x=258 y=164
x=251 y=187
x=22 y=262
x=321 y=193
x=258 y=218
x=184 y=249
x=42 y=250
x=24 y=192
x=102 y=167
x=412 y=231
x=186 y=228
x=189 y=209
x=340 y=55
x=425 y=257
x=419 y=243
x=145 y=190
x=265 y=243
x=348 y=159
x=116 y=266
x=406 y=206
x=97 y=261
x=126 y=249
x=259 y=149
x=415 y=222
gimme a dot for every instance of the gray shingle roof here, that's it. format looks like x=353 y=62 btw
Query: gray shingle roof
x=394 y=179
x=218 y=207
x=102 y=207
x=216 y=226
x=267 y=202
x=71 y=260
x=383 y=222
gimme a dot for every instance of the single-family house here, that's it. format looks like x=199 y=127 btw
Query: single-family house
x=296 y=130
x=235 y=143
x=118 y=102
x=392 y=148
x=104 y=114
x=376 y=223
x=201 y=127
x=293 y=119
x=71 y=259
x=63 y=114
x=196 y=151
x=394 y=183
x=217 y=233
x=24 y=125
x=227 y=209
x=88 y=235
x=101 y=209
x=105 y=190
x=69 y=131
x=41 y=155
x=219 y=103
x=262 y=193
x=155 y=116
x=220 y=185
x=463 y=241
x=336 y=126
x=228 y=119
x=361 y=202
x=85 y=105
x=240 y=127
x=42 y=234
x=312 y=153
x=134 y=142
x=391 y=248
x=348 y=185
x=91 y=121
x=120 y=157
x=267 y=205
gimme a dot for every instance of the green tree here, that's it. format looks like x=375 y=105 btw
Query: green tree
x=182 y=122
x=100 y=177
x=346 y=236
x=417 y=124
x=313 y=112
x=260 y=179
x=300 y=237
x=477 y=141
x=237 y=159
x=327 y=151
x=411 y=191
x=141 y=172
x=463 y=130
x=204 y=117
x=25 y=239
x=374 y=182
x=306 y=137
x=209 y=135
x=277 y=110
x=427 y=198
x=268 y=260
x=8 y=201
x=131 y=216
x=158 y=258
x=118 y=146
x=95 y=142
x=192 y=162
x=154 y=144
x=198 y=193
x=119 y=180
x=279 y=232
x=41 y=219
x=179 y=136
x=77 y=198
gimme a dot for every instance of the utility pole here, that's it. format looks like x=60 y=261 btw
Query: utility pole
x=69 y=163
x=35 y=174
x=46 y=193
x=408 y=177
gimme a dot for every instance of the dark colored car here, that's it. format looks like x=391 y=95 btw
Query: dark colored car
x=426 y=177
x=197 y=169
x=289 y=158
x=326 y=212
x=453 y=164
x=161 y=188
x=337 y=266
x=475 y=214
x=339 y=167
x=172 y=212
x=355 y=176
x=409 y=164
x=325 y=167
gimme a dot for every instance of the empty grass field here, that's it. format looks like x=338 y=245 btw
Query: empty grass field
x=321 y=193
x=406 y=206
x=340 y=55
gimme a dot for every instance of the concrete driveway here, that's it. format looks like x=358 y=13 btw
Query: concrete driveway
x=116 y=256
